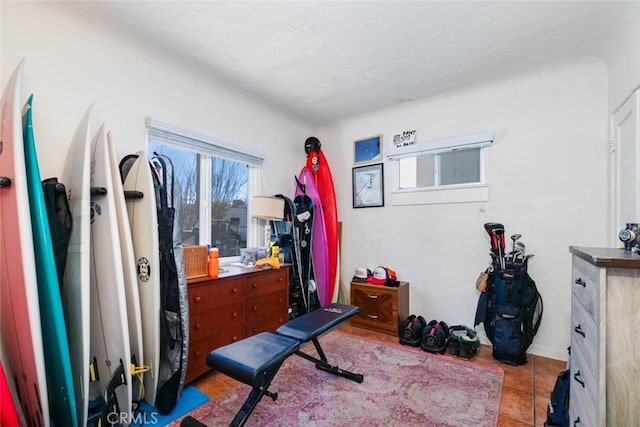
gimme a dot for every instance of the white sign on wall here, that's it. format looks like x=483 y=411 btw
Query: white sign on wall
x=405 y=138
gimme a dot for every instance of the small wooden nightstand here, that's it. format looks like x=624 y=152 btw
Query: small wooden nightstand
x=382 y=308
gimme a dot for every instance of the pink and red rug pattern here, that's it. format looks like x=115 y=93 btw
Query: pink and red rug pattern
x=402 y=386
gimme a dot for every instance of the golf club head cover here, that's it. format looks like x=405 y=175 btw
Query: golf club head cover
x=463 y=342
x=435 y=337
x=410 y=331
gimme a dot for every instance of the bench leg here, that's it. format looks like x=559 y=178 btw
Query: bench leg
x=254 y=397
x=323 y=364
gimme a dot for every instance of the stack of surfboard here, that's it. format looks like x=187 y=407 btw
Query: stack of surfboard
x=315 y=181
x=65 y=344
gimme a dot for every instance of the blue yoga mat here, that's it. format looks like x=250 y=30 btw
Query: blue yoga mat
x=191 y=398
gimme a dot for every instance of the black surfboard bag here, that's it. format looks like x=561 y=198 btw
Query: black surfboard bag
x=511 y=311
x=172 y=301
x=60 y=221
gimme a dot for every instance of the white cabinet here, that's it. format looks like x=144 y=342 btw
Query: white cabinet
x=605 y=347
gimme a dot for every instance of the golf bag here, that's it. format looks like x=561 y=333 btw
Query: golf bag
x=558 y=408
x=511 y=310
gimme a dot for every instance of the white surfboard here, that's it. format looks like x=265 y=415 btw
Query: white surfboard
x=20 y=309
x=143 y=219
x=75 y=282
x=109 y=341
x=128 y=268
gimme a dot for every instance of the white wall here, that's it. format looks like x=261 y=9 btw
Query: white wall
x=71 y=63
x=622 y=57
x=546 y=176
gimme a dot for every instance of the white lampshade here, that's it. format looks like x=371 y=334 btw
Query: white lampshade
x=265 y=207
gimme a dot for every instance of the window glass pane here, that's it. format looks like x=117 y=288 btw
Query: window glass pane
x=416 y=172
x=229 y=196
x=459 y=167
x=185 y=168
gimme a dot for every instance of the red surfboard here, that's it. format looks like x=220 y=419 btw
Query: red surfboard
x=318 y=165
x=8 y=412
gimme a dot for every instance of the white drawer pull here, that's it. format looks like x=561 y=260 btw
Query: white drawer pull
x=372 y=296
x=579 y=330
x=372 y=316
x=581 y=282
x=578 y=378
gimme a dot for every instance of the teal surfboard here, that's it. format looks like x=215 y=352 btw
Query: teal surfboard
x=62 y=402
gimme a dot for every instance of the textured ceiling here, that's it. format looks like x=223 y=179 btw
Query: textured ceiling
x=322 y=61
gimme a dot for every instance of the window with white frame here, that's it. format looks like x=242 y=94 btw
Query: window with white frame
x=444 y=171
x=215 y=180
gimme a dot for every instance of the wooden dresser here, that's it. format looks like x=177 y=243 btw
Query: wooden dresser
x=382 y=308
x=605 y=317
x=239 y=303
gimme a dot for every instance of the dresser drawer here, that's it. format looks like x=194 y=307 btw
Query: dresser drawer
x=267 y=324
x=584 y=390
x=378 y=307
x=259 y=307
x=585 y=285
x=265 y=283
x=198 y=350
x=584 y=337
x=207 y=296
x=210 y=322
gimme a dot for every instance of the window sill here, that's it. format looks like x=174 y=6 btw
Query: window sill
x=450 y=194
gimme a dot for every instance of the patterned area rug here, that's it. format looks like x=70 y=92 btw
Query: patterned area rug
x=402 y=386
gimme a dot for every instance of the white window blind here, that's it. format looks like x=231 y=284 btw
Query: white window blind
x=164 y=133
x=441 y=146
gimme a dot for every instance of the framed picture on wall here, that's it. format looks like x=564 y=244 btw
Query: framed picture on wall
x=367 y=150
x=368 y=186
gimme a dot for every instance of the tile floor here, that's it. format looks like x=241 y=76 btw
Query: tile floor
x=525 y=393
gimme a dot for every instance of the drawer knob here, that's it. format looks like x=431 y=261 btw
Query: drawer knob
x=579 y=330
x=234 y=339
x=234 y=315
x=372 y=316
x=372 y=296
x=281 y=299
x=197 y=299
x=578 y=377
x=234 y=291
x=581 y=282
x=254 y=285
x=197 y=354
x=280 y=279
x=197 y=326
x=255 y=308
x=576 y=422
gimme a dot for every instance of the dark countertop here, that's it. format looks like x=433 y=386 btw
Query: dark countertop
x=607 y=257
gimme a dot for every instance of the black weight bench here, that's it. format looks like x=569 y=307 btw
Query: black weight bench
x=256 y=360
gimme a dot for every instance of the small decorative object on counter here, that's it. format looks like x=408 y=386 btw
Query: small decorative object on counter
x=214 y=262
x=630 y=236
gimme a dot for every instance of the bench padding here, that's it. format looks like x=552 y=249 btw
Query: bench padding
x=250 y=359
x=316 y=323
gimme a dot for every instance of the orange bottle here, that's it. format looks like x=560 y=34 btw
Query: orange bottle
x=214 y=262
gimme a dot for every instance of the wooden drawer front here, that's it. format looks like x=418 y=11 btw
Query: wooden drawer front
x=267 y=324
x=585 y=282
x=584 y=337
x=257 y=308
x=207 y=296
x=266 y=282
x=202 y=325
x=584 y=391
x=198 y=350
x=378 y=307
